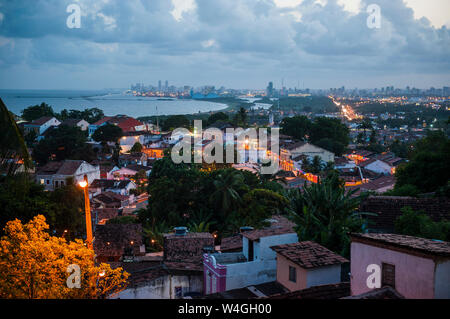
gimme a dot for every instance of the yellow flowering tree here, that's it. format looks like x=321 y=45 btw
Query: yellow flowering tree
x=35 y=265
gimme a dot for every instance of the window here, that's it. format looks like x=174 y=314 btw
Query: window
x=292 y=274
x=387 y=275
x=250 y=250
x=42 y=181
x=48 y=181
x=56 y=184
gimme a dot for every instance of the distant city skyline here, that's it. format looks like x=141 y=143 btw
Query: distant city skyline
x=240 y=44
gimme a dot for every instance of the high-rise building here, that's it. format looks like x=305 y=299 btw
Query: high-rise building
x=166 y=86
x=159 y=86
x=269 y=91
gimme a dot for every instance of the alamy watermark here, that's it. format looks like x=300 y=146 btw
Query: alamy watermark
x=374 y=18
x=74 y=19
x=250 y=145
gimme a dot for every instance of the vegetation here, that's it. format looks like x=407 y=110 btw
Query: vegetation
x=428 y=168
x=137 y=148
x=33 y=265
x=328 y=133
x=325 y=213
x=419 y=224
x=63 y=142
x=34 y=112
x=175 y=121
x=13 y=150
x=107 y=133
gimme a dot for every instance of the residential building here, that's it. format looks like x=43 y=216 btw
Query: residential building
x=305 y=264
x=56 y=174
x=109 y=199
x=178 y=274
x=40 y=125
x=82 y=124
x=126 y=123
x=134 y=158
x=114 y=242
x=122 y=187
x=309 y=150
x=416 y=268
x=255 y=264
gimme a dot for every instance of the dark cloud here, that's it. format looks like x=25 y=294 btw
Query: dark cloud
x=232 y=42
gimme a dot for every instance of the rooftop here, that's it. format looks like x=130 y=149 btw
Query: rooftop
x=308 y=254
x=332 y=291
x=380 y=293
x=279 y=225
x=404 y=242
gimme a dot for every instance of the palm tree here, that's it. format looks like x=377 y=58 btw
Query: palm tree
x=13 y=150
x=325 y=213
x=226 y=196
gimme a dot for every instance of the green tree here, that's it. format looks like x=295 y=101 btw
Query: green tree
x=215 y=117
x=326 y=213
x=428 y=168
x=176 y=121
x=419 y=224
x=63 y=142
x=13 y=150
x=330 y=133
x=226 y=195
x=137 y=148
x=34 y=112
x=297 y=127
x=107 y=133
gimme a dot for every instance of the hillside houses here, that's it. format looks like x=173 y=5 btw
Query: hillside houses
x=57 y=174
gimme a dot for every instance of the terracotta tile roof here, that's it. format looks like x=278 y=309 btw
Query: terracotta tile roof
x=186 y=249
x=380 y=293
x=231 y=243
x=279 y=225
x=127 y=124
x=106 y=213
x=388 y=209
x=137 y=168
x=308 y=254
x=291 y=146
x=113 y=239
x=422 y=245
x=49 y=169
x=331 y=291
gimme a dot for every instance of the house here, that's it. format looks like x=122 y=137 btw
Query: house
x=102 y=215
x=309 y=150
x=305 y=264
x=128 y=140
x=377 y=166
x=56 y=174
x=122 y=187
x=114 y=242
x=379 y=185
x=178 y=274
x=360 y=156
x=416 y=268
x=126 y=123
x=40 y=125
x=388 y=208
x=112 y=200
x=254 y=264
x=82 y=124
x=134 y=158
x=130 y=171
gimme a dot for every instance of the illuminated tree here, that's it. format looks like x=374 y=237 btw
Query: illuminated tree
x=34 y=265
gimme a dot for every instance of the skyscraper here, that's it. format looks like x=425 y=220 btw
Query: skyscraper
x=159 y=86
x=269 y=91
x=166 y=86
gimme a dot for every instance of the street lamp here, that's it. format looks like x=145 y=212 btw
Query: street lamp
x=87 y=208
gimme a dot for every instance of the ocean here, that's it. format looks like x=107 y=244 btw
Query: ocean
x=110 y=103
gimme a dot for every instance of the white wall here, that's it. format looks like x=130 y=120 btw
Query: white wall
x=245 y=274
x=323 y=276
x=266 y=242
x=163 y=288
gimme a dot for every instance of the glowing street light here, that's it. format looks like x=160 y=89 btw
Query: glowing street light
x=87 y=208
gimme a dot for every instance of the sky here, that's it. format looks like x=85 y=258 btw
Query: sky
x=233 y=43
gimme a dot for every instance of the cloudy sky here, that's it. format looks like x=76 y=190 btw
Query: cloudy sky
x=234 y=43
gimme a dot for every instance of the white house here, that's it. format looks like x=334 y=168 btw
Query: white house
x=255 y=264
x=309 y=150
x=57 y=174
x=377 y=166
x=41 y=125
